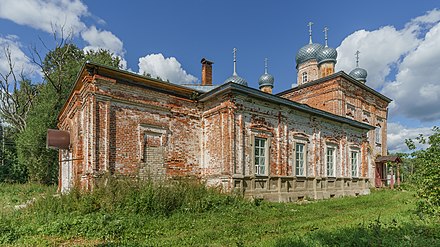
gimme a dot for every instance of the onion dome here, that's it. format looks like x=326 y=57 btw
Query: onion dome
x=266 y=79
x=326 y=54
x=307 y=53
x=235 y=78
x=359 y=74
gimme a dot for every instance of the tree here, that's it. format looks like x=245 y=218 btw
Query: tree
x=427 y=174
x=16 y=96
x=60 y=68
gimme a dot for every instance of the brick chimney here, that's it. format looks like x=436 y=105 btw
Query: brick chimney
x=206 y=72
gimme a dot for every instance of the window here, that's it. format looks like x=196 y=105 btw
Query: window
x=354 y=161
x=304 y=77
x=330 y=161
x=350 y=111
x=378 y=134
x=366 y=116
x=260 y=156
x=300 y=162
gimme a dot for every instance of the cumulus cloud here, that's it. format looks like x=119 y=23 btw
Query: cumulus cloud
x=61 y=16
x=416 y=90
x=380 y=50
x=397 y=134
x=166 y=68
x=412 y=52
x=101 y=38
x=45 y=15
x=21 y=62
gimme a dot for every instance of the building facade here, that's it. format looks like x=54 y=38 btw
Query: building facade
x=317 y=140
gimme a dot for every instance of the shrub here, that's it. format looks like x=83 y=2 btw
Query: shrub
x=427 y=175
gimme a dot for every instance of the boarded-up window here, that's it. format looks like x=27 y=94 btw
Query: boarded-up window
x=152 y=165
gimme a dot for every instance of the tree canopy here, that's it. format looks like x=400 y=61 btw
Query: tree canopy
x=427 y=176
x=60 y=67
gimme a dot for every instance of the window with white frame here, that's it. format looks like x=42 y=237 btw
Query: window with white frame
x=300 y=159
x=378 y=134
x=354 y=161
x=304 y=77
x=330 y=161
x=260 y=156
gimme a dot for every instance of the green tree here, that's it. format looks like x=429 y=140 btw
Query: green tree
x=17 y=94
x=60 y=68
x=427 y=172
x=10 y=169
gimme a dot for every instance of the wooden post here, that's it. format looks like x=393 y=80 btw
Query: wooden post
x=392 y=177
x=398 y=175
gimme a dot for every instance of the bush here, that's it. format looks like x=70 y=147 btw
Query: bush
x=139 y=197
x=427 y=175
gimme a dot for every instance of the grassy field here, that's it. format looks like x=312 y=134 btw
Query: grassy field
x=188 y=214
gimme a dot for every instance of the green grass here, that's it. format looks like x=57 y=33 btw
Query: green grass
x=126 y=213
x=16 y=194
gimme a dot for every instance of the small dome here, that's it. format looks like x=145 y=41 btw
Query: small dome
x=266 y=80
x=307 y=52
x=236 y=79
x=327 y=54
x=359 y=74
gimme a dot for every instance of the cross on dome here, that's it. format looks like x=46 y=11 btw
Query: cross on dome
x=234 y=51
x=357 y=57
x=310 y=32
x=265 y=65
x=325 y=35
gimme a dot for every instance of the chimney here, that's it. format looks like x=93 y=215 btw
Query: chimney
x=206 y=72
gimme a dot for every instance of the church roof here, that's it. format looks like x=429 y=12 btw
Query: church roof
x=126 y=77
x=308 y=52
x=390 y=158
x=332 y=76
x=255 y=93
x=359 y=74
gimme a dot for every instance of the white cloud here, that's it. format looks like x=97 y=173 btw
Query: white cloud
x=432 y=16
x=102 y=39
x=166 y=68
x=20 y=61
x=416 y=90
x=397 y=134
x=62 y=16
x=380 y=49
x=46 y=15
x=413 y=52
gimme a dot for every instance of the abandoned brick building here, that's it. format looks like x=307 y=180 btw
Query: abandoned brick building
x=319 y=139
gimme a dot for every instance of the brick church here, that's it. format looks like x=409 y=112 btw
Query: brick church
x=317 y=140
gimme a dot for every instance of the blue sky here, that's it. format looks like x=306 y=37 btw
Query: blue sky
x=398 y=40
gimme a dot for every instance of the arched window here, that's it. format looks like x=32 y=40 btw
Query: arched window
x=304 y=77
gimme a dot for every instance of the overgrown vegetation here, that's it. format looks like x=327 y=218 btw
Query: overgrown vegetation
x=29 y=108
x=186 y=213
x=427 y=176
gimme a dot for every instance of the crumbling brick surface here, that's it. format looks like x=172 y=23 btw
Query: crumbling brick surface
x=126 y=128
x=337 y=96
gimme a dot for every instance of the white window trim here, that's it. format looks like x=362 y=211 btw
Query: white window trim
x=378 y=135
x=266 y=156
x=304 y=143
x=334 y=160
x=355 y=174
x=304 y=77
